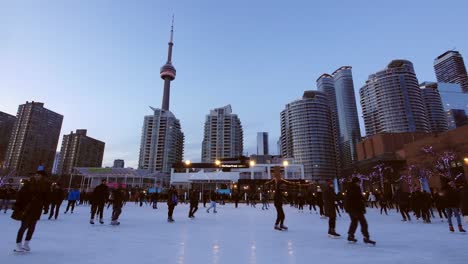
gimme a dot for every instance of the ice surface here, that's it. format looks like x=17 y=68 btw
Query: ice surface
x=243 y=235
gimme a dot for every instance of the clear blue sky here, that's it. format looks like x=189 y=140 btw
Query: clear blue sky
x=97 y=62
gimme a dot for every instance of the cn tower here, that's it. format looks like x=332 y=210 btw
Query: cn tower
x=168 y=72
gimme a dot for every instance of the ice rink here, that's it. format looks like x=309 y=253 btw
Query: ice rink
x=243 y=235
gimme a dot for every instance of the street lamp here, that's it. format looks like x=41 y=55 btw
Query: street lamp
x=252 y=163
x=466 y=160
x=217 y=162
x=285 y=164
x=187 y=163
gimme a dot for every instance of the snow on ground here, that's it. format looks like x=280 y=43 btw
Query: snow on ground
x=243 y=235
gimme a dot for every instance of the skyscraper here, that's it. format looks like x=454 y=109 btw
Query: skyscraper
x=326 y=84
x=119 y=163
x=348 y=121
x=391 y=101
x=434 y=108
x=162 y=140
x=223 y=135
x=34 y=139
x=262 y=143
x=79 y=150
x=450 y=68
x=307 y=135
x=455 y=104
x=7 y=123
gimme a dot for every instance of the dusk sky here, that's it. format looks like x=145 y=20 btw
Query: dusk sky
x=97 y=62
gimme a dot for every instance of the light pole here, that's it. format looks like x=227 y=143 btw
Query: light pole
x=252 y=165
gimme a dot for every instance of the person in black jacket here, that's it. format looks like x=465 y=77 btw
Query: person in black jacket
x=117 y=203
x=278 y=184
x=452 y=205
x=56 y=199
x=98 y=200
x=154 y=199
x=356 y=209
x=29 y=204
x=403 y=200
x=329 y=199
x=193 y=203
x=6 y=194
x=172 y=200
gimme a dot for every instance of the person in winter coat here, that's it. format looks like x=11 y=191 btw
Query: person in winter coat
x=98 y=200
x=29 y=203
x=373 y=200
x=193 y=197
x=117 y=204
x=403 y=201
x=56 y=200
x=439 y=204
x=154 y=199
x=319 y=200
x=452 y=205
x=235 y=197
x=73 y=196
x=329 y=199
x=356 y=209
x=464 y=201
x=278 y=182
x=6 y=194
x=172 y=200
x=213 y=198
x=265 y=200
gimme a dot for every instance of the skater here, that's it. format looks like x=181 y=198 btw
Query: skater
x=172 y=200
x=319 y=200
x=154 y=199
x=452 y=204
x=193 y=197
x=56 y=200
x=212 y=203
x=277 y=183
x=403 y=200
x=438 y=205
x=373 y=200
x=356 y=209
x=300 y=202
x=73 y=196
x=117 y=204
x=329 y=198
x=265 y=200
x=6 y=194
x=28 y=208
x=383 y=204
x=98 y=200
x=236 y=198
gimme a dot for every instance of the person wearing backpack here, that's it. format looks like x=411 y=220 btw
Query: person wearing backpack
x=172 y=200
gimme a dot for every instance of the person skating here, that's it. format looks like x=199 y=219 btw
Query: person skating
x=117 y=204
x=277 y=182
x=73 y=196
x=373 y=200
x=329 y=199
x=213 y=198
x=236 y=198
x=452 y=204
x=300 y=202
x=172 y=200
x=383 y=203
x=98 y=200
x=264 y=200
x=464 y=201
x=193 y=197
x=28 y=207
x=319 y=200
x=6 y=194
x=56 y=200
x=403 y=201
x=356 y=209
x=439 y=205
x=154 y=199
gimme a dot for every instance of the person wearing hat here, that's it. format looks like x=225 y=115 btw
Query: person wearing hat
x=278 y=184
x=356 y=209
x=329 y=199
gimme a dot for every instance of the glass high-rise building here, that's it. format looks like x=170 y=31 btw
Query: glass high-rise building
x=262 y=143
x=348 y=120
x=307 y=135
x=434 y=108
x=392 y=102
x=450 y=68
x=455 y=104
x=34 y=139
x=223 y=135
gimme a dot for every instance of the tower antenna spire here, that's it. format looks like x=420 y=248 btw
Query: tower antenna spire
x=172 y=29
x=168 y=72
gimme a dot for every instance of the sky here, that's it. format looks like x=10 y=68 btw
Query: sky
x=97 y=62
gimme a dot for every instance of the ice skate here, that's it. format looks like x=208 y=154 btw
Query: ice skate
x=277 y=227
x=101 y=221
x=91 y=221
x=115 y=222
x=332 y=234
x=451 y=229
x=351 y=239
x=368 y=241
x=26 y=246
x=19 y=248
x=460 y=229
x=283 y=227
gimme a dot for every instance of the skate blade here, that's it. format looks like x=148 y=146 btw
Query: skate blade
x=352 y=242
x=333 y=237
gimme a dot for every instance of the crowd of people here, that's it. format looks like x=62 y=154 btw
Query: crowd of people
x=39 y=196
